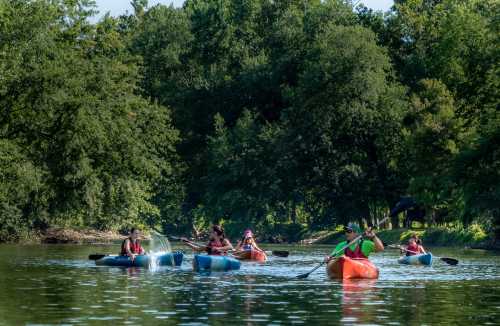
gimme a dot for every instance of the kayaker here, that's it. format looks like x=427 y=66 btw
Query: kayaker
x=361 y=249
x=247 y=243
x=414 y=246
x=217 y=245
x=131 y=246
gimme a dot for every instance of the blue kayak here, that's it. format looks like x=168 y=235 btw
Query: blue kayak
x=168 y=259
x=422 y=259
x=215 y=263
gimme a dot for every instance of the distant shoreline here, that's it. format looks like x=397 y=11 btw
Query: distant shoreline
x=431 y=237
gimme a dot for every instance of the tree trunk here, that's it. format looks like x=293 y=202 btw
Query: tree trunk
x=395 y=222
x=496 y=226
x=293 y=212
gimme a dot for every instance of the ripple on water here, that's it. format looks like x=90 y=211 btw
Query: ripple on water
x=70 y=291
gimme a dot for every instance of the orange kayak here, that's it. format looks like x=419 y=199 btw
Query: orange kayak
x=253 y=255
x=345 y=268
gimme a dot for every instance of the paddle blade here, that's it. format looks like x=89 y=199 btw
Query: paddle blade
x=449 y=261
x=303 y=275
x=96 y=256
x=280 y=253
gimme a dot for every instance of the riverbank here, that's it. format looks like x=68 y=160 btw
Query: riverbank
x=75 y=236
x=473 y=237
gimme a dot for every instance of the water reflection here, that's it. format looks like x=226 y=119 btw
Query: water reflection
x=56 y=285
x=356 y=298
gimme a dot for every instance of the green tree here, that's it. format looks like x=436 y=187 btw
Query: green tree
x=69 y=102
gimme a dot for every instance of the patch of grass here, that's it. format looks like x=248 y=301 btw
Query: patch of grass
x=438 y=236
x=455 y=236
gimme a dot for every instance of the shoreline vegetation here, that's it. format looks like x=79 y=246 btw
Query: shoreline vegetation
x=287 y=117
x=472 y=237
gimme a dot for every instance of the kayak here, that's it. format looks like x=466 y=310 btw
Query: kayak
x=167 y=259
x=215 y=263
x=422 y=259
x=254 y=255
x=345 y=268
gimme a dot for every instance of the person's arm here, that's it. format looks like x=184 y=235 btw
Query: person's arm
x=254 y=244
x=127 y=249
x=379 y=246
x=335 y=252
x=421 y=249
x=239 y=245
x=193 y=246
x=228 y=246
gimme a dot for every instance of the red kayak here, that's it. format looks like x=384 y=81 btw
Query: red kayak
x=345 y=268
x=253 y=255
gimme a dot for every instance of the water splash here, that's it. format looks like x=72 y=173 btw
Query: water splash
x=160 y=243
x=159 y=246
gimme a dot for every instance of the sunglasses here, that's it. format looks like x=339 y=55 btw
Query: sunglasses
x=348 y=231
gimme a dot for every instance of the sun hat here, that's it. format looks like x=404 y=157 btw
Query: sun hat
x=248 y=233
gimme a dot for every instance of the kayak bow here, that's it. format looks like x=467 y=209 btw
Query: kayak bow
x=167 y=259
x=215 y=263
x=252 y=255
x=345 y=268
x=422 y=259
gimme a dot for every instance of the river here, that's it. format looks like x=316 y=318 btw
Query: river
x=57 y=284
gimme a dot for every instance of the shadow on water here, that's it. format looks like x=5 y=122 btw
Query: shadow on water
x=56 y=284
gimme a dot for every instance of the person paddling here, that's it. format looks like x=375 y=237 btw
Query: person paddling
x=247 y=243
x=414 y=246
x=131 y=246
x=360 y=249
x=217 y=245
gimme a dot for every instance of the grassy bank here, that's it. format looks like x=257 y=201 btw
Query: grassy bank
x=438 y=236
x=472 y=236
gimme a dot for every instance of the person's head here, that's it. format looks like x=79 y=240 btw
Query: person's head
x=134 y=233
x=217 y=232
x=352 y=230
x=417 y=238
x=412 y=241
x=248 y=236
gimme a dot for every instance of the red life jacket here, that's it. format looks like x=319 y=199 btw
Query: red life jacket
x=215 y=244
x=357 y=253
x=135 y=248
x=412 y=248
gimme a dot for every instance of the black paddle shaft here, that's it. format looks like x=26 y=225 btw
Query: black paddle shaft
x=305 y=275
x=96 y=256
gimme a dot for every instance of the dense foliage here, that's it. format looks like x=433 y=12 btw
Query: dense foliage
x=279 y=115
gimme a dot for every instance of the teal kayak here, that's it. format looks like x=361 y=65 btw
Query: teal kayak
x=167 y=259
x=422 y=259
x=215 y=263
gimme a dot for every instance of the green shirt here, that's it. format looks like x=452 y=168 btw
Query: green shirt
x=367 y=247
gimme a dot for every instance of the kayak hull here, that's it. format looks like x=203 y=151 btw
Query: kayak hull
x=168 y=259
x=422 y=259
x=345 y=268
x=215 y=263
x=252 y=255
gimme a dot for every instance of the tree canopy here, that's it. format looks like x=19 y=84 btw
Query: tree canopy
x=298 y=114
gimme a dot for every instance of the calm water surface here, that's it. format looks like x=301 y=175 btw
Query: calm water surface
x=56 y=284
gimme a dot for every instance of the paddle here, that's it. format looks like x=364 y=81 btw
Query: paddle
x=96 y=256
x=305 y=275
x=449 y=261
x=278 y=253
